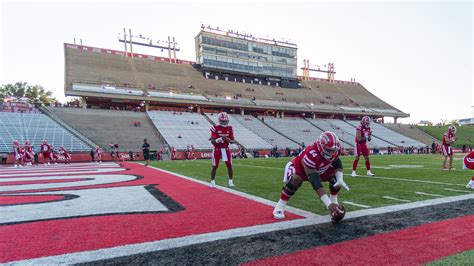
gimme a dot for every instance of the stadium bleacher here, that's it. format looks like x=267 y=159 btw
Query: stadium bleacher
x=296 y=129
x=35 y=128
x=181 y=129
x=110 y=126
x=412 y=132
x=256 y=126
x=87 y=66
x=243 y=135
x=394 y=138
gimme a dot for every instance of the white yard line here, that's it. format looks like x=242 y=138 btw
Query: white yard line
x=127 y=250
x=407 y=180
x=457 y=190
x=429 y=194
x=303 y=213
x=392 y=198
x=355 y=204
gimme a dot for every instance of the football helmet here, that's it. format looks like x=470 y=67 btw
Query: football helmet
x=328 y=145
x=452 y=129
x=223 y=119
x=27 y=143
x=365 y=121
x=16 y=143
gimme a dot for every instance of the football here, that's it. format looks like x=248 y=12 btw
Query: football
x=337 y=216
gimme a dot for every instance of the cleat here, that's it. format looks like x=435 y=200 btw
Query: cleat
x=213 y=184
x=452 y=168
x=353 y=174
x=369 y=173
x=278 y=214
x=231 y=183
x=445 y=169
x=279 y=211
x=470 y=185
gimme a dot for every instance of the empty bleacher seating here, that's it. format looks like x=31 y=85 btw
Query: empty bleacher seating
x=35 y=128
x=389 y=135
x=106 y=126
x=243 y=135
x=296 y=129
x=181 y=129
x=274 y=138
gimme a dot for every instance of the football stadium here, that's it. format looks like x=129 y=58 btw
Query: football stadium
x=241 y=156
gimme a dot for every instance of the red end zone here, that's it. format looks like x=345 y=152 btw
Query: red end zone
x=205 y=210
x=412 y=246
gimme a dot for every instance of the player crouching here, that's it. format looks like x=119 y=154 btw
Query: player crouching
x=28 y=154
x=468 y=163
x=318 y=162
x=65 y=154
x=18 y=154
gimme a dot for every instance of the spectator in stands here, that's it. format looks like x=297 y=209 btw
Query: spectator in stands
x=130 y=154
x=464 y=148
x=146 y=152
x=173 y=153
x=433 y=147
x=92 y=155
x=288 y=151
x=4 y=158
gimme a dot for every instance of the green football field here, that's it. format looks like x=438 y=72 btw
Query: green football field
x=399 y=179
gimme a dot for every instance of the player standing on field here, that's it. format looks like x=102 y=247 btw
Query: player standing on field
x=316 y=163
x=222 y=135
x=448 y=139
x=363 y=134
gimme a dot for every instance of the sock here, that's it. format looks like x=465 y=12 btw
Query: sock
x=333 y=198
x=354 y=165
x=367 y=165
x=281 y=204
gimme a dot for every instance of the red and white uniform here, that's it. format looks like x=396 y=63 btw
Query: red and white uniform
x=18 y=152
x=221 y=150
x=468 y=162
x=28 y=153
x=311 y=157
x=45 y=150
x=173 y=153
x=446 y=148
x=361 y=146
x=98 y=154
x=65 y=154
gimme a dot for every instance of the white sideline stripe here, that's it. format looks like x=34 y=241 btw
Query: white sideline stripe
x=127 y=250
x=355 y=204
x=408 y=180
x=457 y=190
x=376 y=177
x=429 y=194
x=303 y=213
x=392 y=198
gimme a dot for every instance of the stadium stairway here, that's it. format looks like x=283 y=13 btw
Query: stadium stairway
x=280 y=133
x=55 y=118
x=109 y=126
x=245 y=137
x=388 y=143
x=412 y=132
x=326 y=126
x=265 y=132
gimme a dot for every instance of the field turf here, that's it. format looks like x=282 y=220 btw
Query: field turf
x=399 y=179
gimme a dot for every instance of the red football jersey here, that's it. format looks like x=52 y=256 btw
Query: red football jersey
x=218 y=131
x=27 y=148
x=45 y=147
x=450 y=136
x=312 y=159
x=365 y=133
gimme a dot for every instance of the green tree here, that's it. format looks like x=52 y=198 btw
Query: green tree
x=37 y=93
x=34 y=93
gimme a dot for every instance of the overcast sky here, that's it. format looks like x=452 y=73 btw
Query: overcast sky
x=417 y=56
